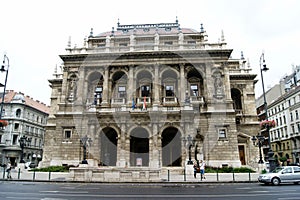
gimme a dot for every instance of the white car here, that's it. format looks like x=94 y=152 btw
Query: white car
x=285 y=174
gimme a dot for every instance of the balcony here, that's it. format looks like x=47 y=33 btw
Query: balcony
x=118 y=101
x=197 y=99
x=170 y=101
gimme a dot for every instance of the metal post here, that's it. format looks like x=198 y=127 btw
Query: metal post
x=2 y=70
x=19 y=173
x=33 y=178
x=270 y=153
x=184 y=175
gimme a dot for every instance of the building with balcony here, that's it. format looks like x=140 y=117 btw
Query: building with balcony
x=151 y=97
x=26 y=119
x=285 y=137
x=282 y=100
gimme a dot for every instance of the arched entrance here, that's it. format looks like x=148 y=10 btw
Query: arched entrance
x=139 y=147
x=171 y=147
x=108 y=144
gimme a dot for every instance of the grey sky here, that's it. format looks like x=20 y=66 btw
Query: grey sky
x=33 y=32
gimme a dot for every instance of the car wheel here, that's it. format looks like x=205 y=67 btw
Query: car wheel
x=275 y=181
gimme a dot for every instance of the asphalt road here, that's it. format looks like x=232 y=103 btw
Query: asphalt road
x=89 y=191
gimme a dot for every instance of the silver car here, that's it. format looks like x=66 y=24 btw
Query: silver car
x=285 y=174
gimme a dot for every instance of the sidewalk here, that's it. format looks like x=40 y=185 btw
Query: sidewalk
x=165 y=177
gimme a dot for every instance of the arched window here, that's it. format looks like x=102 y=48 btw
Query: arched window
x=237 y=100
x=18 y=113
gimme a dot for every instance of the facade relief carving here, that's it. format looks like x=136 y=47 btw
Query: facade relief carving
x=218 y=86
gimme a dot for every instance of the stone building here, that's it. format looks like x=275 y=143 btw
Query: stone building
x=151 y=96
x=23 y=136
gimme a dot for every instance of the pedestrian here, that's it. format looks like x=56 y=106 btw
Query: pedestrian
x=202 y=169
x=196 y=168
x=8 y=170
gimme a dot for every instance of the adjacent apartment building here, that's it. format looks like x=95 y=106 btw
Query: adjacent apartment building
x=283 y=102
x=152 y=96
x=22 y=137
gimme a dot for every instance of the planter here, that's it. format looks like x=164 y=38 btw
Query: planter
x=3 y=123
x=268 y=123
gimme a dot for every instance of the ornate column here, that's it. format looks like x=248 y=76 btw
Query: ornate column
x=122 y=147
x=156 y=86
x=105 y=87
x=154 y=150
x=130 y=93
x=182 y=87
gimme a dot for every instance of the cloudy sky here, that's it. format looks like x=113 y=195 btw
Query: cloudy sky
x=34 y=33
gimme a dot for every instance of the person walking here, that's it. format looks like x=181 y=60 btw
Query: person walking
x=202 y=169
x=8 y=170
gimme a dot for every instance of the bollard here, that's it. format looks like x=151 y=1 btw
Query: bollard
x=217 y=174
x=19 y=173
x=4 y=172
x=33 y=175
x=249 y=176
x=184 y=175
x=49 y=176
x=168 y=175
x=233 y=178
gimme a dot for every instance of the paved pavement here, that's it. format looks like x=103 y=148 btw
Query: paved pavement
x=24 y=175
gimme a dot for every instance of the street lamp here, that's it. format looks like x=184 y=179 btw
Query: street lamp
x=1 y=85
x=263 y=67
x=190 y=144
x=259 y=139
x=85 y=140
x=22 y=142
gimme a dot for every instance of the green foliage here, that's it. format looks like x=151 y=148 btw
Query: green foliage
x=209 y=169
x=52 y=169
x=264 y=171
x=283 y=159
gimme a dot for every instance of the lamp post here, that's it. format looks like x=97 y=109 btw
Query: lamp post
x=1 y=85
x=190 y=144
x=22 y=142
x=259 y=139
x=85 y=140
x=263 y=68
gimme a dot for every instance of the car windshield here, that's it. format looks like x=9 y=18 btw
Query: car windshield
x=277 y=169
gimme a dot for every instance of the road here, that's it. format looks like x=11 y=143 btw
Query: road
x=90 y=191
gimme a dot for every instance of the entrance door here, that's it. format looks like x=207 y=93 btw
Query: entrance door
x=242 y=154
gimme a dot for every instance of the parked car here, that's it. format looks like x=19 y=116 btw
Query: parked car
x=285 y=174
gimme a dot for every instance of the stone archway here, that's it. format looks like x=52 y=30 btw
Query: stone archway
x=108 y=144
x=171 y=147
x=139 y=147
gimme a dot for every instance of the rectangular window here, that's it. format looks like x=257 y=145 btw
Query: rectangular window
x=191 y=42
x=222 y=133
x=168 y=43
x=169 y=90
x=194 y=90
x=16 y=128
x=15 y=139
x=123 y=44
x=145 y=91
x=122 y=91
x=67 y=133
x=98 y=95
